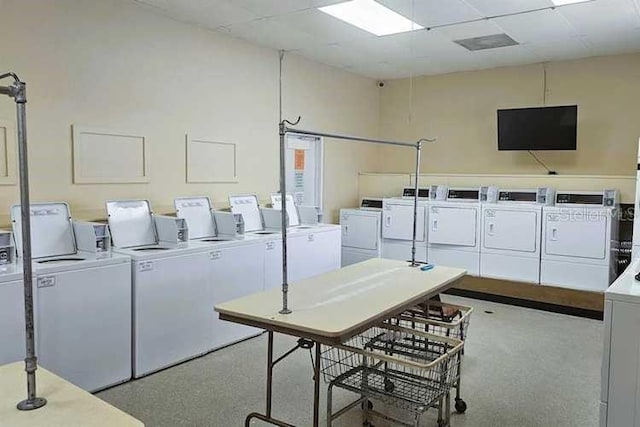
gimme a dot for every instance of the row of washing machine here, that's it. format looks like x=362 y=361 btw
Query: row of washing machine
x=565 y=239
x=136 y=296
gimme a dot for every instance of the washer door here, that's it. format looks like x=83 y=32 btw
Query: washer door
x=360 y=231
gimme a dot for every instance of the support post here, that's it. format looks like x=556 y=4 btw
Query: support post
x=283 y=212
x=415 y=205
x=17 y=91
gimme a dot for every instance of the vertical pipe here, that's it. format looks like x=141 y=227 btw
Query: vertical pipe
x=415 y=206
x=283 y=204
x=31 y=363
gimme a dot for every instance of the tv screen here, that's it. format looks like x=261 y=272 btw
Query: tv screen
x=544 y=128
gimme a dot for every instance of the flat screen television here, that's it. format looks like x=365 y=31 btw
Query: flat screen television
x=542 y=128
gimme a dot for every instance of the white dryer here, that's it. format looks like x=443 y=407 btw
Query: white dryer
x=454 y=229
x=397 y=226
x=361 y=232
x=82 y=298
x=171 y=309
x=511 y=234
x=579 y=238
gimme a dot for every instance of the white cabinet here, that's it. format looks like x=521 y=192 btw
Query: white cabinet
x=313 y=253
x=234 y=272
x=83 y=327
x=273 y=264
x=620 y=400
x=12 y=343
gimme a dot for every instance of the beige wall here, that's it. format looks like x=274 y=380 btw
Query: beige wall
x=460 y=110
x=117 y=65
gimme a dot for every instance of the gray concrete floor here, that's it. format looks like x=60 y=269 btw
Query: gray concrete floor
x=522 y=367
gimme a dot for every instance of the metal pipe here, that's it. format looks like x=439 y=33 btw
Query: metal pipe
x=17 y=91
x=415 y=206
x=283 y=214
x=316 y=387
x=349 y=137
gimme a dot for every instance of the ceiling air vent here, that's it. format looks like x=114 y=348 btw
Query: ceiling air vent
x=487 y=42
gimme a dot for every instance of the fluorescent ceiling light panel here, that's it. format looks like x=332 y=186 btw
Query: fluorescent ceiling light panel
x=371 y=16
x=565 y=2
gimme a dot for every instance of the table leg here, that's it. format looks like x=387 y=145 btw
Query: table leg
x=269 y=371
x=316 y=387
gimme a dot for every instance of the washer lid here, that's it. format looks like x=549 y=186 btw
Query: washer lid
x=197 y=212
x=131 y=223
x=292 y=211
x=248 y=206
x=51 y=230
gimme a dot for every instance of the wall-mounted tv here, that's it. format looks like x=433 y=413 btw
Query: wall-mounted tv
x=542 y=128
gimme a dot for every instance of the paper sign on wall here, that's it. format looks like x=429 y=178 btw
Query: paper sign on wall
x=299 y=160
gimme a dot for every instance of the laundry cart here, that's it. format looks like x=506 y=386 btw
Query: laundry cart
x=406 y=368
x=435 y=317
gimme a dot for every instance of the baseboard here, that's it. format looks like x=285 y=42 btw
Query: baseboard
x=549 y=298
x=571 y=311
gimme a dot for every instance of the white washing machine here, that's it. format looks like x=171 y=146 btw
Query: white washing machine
x=455 y=229
x=397 y=226
x=12 y=326
x=236 y=268
x=82 y=300
x=511 y=234
x=361 y=232
x=579 y=238
x=171 y=313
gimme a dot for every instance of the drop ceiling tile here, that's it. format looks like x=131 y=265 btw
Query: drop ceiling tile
x=501 y=7
x=602 y=17
x=433 y=12
x=279 y=7
x=537 y=27
x=208 y=13
x=469 y=30
x=270 y=33
x=567 y=49
x=620 y=42
x=323 y=27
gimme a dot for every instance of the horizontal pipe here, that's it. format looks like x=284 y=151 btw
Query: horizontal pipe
x=350 y=137
x=5 y=90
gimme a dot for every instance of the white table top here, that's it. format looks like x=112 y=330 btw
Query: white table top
x=334 y=306
x=626 y=288
x=67 y=405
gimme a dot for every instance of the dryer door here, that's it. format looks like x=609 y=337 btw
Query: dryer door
x=577 y=233
x=512 y=230
x=360 y=231
x=453 y=225
x=398 y=222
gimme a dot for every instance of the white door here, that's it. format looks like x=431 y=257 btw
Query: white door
x=453 y=225
x=577 y=234
x=303 y=167
x=513 y=230
x=397 y=222
x=360 y=231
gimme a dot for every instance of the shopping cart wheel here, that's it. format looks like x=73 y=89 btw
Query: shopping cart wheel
x=369 y=405
x=461 y=406
x=389 y=386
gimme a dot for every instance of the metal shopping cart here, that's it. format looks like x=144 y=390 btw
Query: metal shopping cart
x=439 y=318
x=406 y=368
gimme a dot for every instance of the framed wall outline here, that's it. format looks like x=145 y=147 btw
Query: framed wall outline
x=8 y=153
x=109 y=156
x=210 y=161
